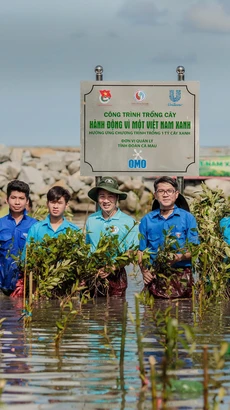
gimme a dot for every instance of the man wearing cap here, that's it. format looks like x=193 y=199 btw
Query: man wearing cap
x=110 y=219
x=168 y=217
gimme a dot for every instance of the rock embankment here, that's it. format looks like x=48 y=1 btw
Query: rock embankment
x=43 y=167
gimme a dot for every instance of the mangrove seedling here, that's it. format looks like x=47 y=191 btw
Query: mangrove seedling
x=209 y=258
x=57 y=263
x=68 y=314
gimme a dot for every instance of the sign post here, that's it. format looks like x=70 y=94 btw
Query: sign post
x=180 y=180
x=99 y=77
x=139 y=128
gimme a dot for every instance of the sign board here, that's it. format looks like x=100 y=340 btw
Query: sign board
x=215 y=166
x=139 y=128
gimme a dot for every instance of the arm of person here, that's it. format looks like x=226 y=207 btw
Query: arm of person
x=180 y=257
x=104 y=273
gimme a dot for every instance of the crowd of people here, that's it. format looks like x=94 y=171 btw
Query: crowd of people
x=170 y=214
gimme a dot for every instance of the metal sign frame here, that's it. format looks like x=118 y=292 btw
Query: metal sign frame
x=166 y=128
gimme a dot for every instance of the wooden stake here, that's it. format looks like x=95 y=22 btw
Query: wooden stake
x=30 y=288
x=152 y=362
x=193 y=298
x=24 y=290
x=123 y=336
x=205 y=382
x=139 y=341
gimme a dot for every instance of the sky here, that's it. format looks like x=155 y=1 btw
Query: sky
x=48 y=47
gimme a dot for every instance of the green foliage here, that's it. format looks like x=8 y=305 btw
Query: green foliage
x=40 y=212
x=163 y=270
x=108 y=343
x=209 y=258
x=57 y=263
x=166 y=254
x=172 y=332
x=213 y=172
x=218 y=359
x=68 y=313
x=146 y=298
x=109 y=255
x=186 y=388
x=27 y=314
x=173 y=335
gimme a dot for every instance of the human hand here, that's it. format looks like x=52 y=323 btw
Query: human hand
x=147 y=276
x=102 y=273
x=176 y=258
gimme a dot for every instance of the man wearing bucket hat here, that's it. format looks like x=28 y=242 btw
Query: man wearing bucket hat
x=166 y=217
x=111 y=220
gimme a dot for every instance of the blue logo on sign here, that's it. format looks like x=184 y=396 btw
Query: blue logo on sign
x=174 y=97
x=137 y=163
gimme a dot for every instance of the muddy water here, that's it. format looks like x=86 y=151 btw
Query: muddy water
x=85 y=372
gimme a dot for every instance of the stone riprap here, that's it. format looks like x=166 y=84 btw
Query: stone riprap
x=44 y=167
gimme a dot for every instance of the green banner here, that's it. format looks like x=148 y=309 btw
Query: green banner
x=215 y=166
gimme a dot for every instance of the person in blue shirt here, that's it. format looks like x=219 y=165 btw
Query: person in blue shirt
x=181 y=224
x=111 y=220
x=225 y=228
x=55 y=223
x=13 y=231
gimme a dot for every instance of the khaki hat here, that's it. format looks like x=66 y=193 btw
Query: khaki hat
x=110 y=185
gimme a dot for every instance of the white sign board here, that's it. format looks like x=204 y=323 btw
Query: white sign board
x=139 y=128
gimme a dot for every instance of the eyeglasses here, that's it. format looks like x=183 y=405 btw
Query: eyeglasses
x=165 y=191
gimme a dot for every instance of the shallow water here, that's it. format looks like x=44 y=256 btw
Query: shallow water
x=85 y=372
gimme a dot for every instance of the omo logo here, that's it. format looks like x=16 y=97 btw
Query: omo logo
x=138 y=162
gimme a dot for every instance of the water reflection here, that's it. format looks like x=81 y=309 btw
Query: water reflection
x=85 y=373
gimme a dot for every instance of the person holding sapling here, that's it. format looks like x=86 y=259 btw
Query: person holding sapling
x=111 y=222
x=13 y=232
x=167 y=232
x=44 y=244
x=55 y=223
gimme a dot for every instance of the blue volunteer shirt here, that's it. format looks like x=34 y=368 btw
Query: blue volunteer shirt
x=12 y=241
x=42 y=228
x=115 y=225
x=225 y=227
x=153 y=224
